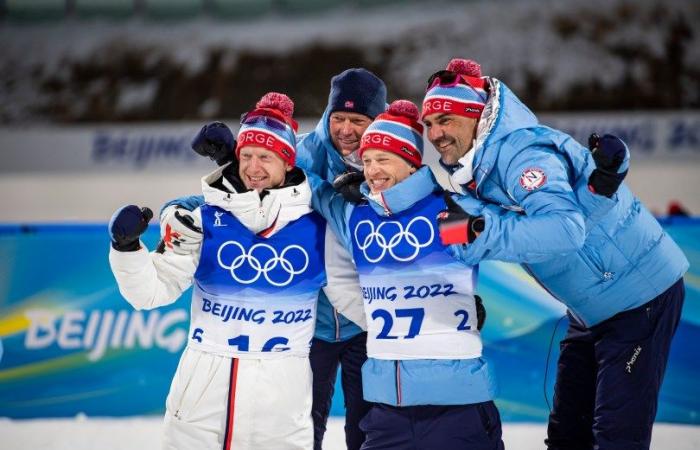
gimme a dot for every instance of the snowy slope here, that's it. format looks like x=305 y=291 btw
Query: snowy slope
x=546 y=50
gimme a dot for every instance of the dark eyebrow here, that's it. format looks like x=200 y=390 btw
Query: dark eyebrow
x=438 y=118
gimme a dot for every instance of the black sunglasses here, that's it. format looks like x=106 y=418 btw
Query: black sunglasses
x=447 y=78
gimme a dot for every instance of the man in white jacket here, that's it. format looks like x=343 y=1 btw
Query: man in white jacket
x=244 y=380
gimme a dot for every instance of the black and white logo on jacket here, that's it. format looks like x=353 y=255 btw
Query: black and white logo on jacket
x=393 y=239
x=248 y=265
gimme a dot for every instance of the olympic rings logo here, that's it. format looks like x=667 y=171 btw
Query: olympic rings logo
x=281 y=262
x=392 y=244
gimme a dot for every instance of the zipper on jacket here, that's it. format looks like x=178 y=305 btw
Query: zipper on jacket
x=398 y=383
x=387 y=211
x=337 y=325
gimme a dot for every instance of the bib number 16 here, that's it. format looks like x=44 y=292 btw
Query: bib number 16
x=243 y=343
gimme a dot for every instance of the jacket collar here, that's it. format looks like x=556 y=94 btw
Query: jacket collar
x=404 y=194
x=336 y=164
x=270 y=211
x=503 y=114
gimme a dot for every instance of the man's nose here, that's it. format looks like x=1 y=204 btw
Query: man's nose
x=254 y=164
x=346 y=128
x=435 y=133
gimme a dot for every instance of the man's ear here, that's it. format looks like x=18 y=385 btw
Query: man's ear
x=288 y=167
x=413 y=169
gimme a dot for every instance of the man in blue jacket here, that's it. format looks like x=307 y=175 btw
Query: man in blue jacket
x=425 y=373
x=581 y=233
x=356 y=97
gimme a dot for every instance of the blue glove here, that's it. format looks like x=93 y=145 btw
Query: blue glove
x=127 y=224
x=611 y=157
x=215 y=141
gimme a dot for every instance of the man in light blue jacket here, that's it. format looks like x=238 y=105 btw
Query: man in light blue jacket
x=580 y=233
x=425 y=373
x=356 y=97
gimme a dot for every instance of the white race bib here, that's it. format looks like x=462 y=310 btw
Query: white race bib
x=259 y=329
x=430 y=317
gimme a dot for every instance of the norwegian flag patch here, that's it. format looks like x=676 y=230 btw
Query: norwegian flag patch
x=533 y=178
x=349 y=104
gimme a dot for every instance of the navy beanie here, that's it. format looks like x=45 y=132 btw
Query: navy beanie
x=358 y=91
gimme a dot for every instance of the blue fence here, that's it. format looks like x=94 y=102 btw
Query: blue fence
x=70 y=344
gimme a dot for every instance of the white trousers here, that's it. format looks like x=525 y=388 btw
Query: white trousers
x=217 y=402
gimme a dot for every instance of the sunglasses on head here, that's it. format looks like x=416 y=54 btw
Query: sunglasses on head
x=447 y=78
x=260 y=119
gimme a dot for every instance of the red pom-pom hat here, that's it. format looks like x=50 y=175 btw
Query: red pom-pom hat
x=463 y=95
x=397 y=131
x=270 y=125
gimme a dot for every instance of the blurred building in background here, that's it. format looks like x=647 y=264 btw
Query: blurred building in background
x=70 y=61
x=115 y=88
x=95 y=92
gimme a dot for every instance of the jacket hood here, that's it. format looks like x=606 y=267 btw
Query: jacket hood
x=334 y=159
x=503 y=115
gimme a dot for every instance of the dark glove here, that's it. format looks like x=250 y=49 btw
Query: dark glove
x=348 y=184
x=456 y=226
x=216 y=142
x=128 y=223
x=480 y=312
x=611 y=158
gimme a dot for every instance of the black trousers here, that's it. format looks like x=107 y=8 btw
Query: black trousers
x=432 y=427
x=609 y=377
x=325 y=358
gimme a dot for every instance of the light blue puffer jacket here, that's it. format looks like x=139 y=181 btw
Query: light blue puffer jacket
x=407 y=382
x=598 y=256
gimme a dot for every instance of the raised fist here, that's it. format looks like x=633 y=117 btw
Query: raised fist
x=611 y=157
x=127 y=224
x=215 y=141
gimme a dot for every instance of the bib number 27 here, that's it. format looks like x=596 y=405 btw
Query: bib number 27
x=415 y=315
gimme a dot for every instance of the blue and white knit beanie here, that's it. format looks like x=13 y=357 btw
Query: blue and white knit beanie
x=466 y=96
x=270 y=125
x=396 y=131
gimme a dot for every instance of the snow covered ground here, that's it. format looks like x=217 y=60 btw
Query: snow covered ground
x=144 y=433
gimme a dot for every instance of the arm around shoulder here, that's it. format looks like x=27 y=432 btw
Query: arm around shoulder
x=546 y=219
x=332 y=206
x=343 y=289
